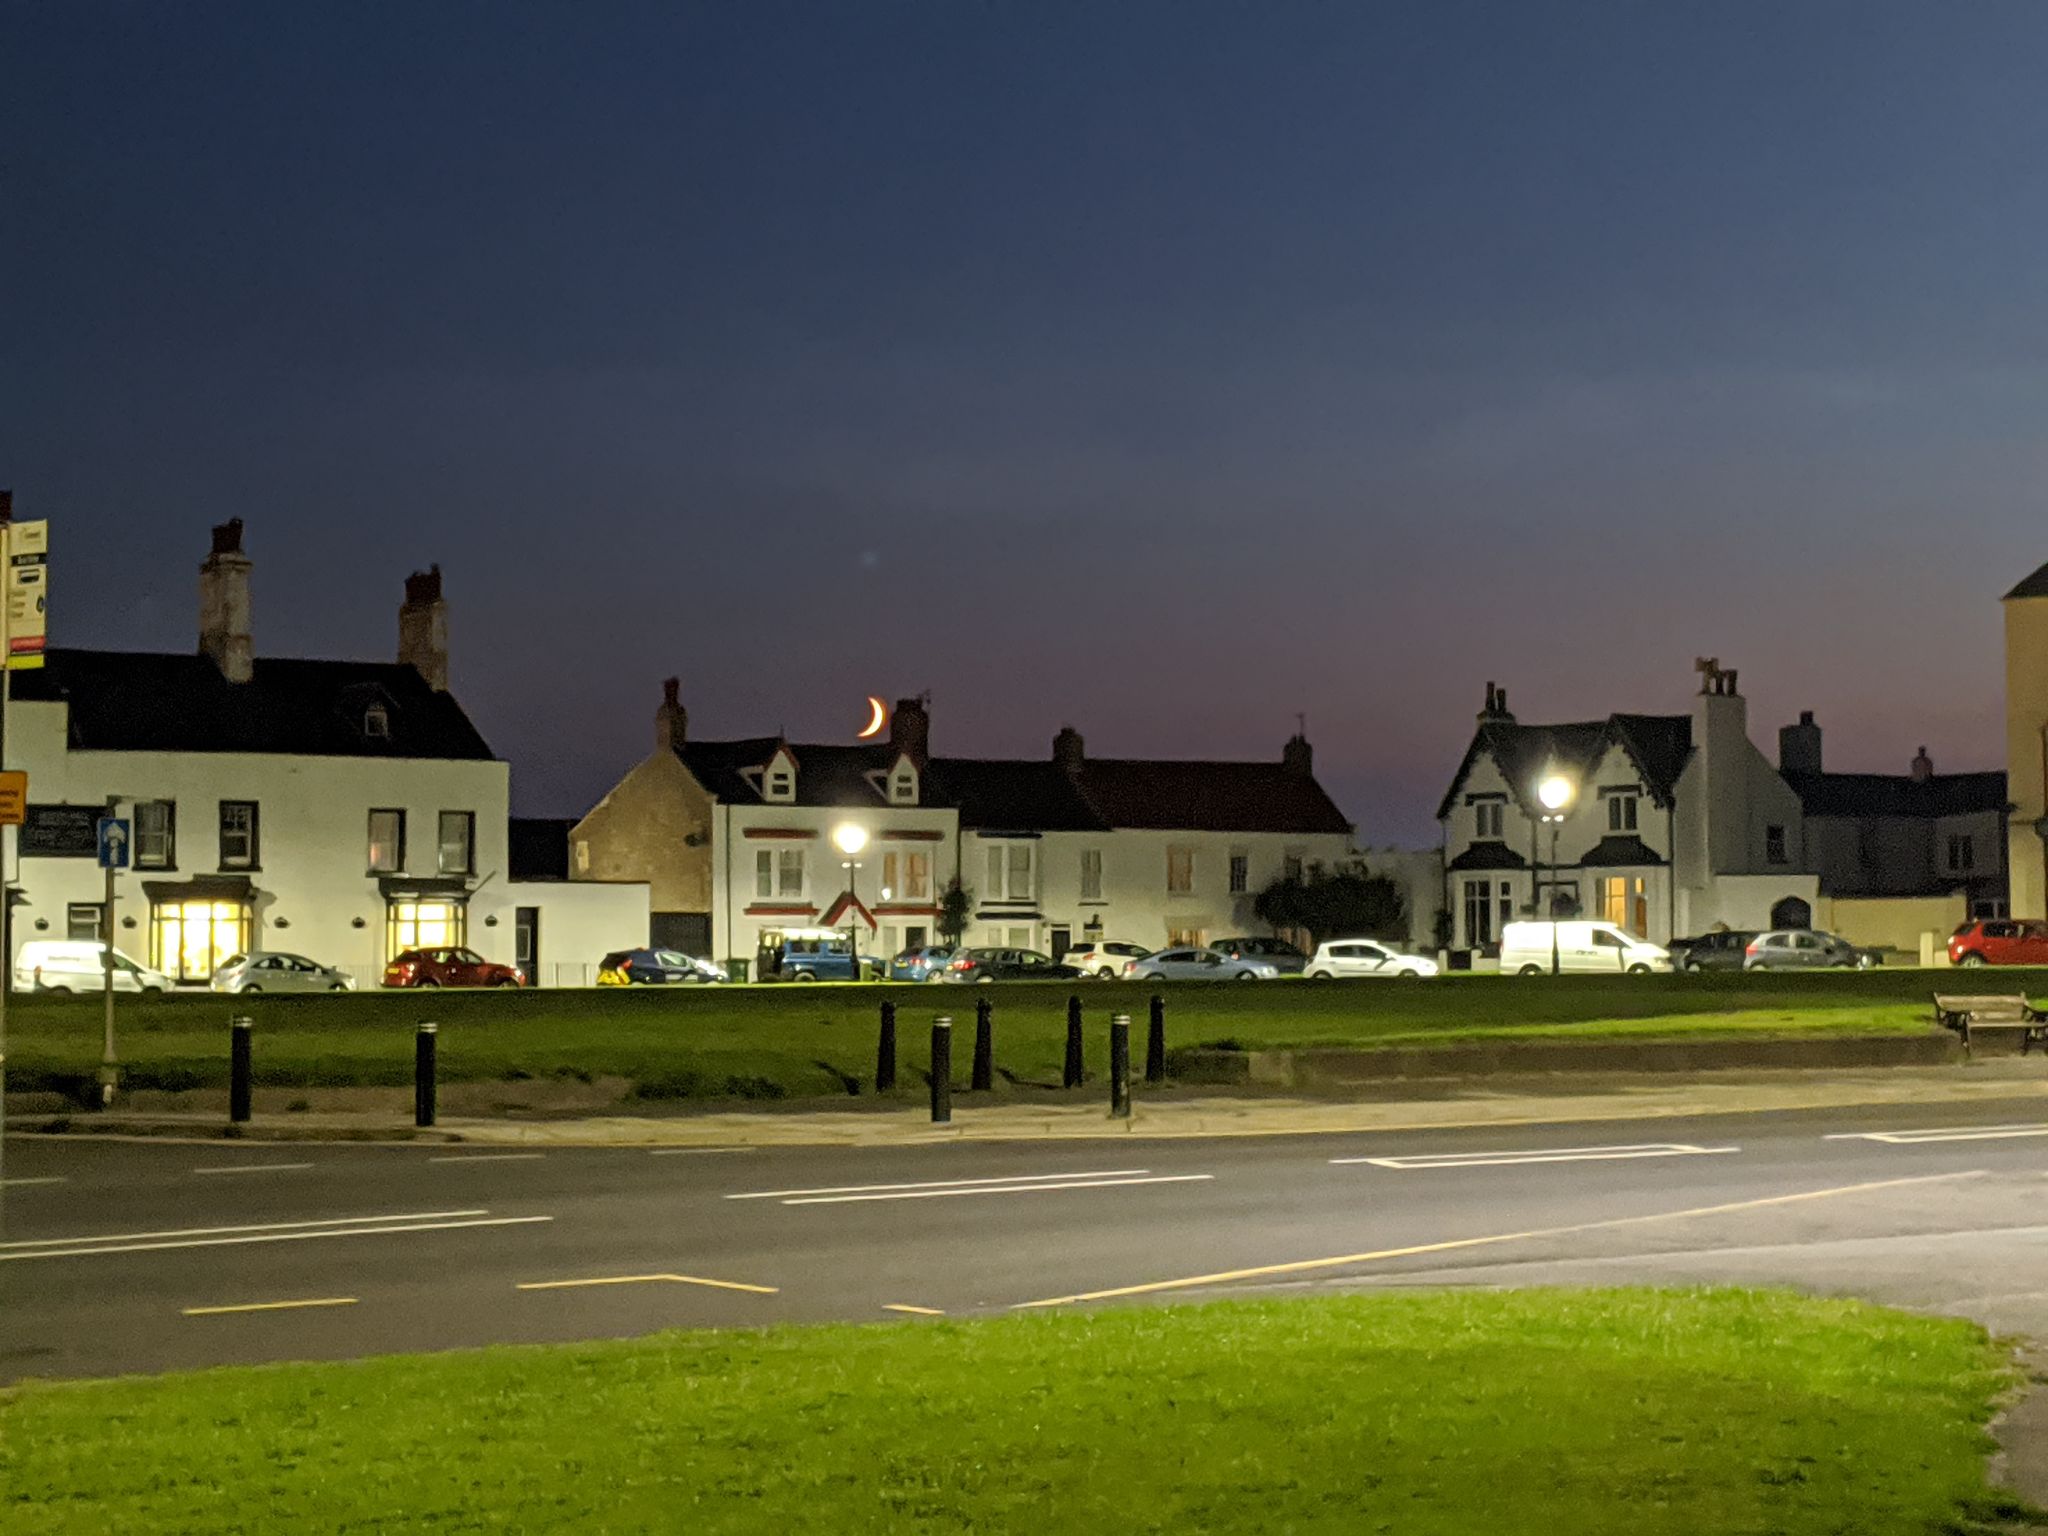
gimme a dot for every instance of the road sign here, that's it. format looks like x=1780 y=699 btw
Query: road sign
x=13 y=798
x=28 y=569
x=113 y=832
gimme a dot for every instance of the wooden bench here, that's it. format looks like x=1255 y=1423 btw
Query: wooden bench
x=1967 y=1015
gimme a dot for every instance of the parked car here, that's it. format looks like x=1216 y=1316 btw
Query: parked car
x=813 y=954
x=979 y=965
x=921 y=962
x=1806 y=949
x=449 y=967
x=1712 y=951
x=1105 y=960
x=1365 y=957
x=655 y=968
x=275 y=972
x=1578 y=946
x=1199 y=965
x=74 y=965
x=1278 y=953
x=1999 y=941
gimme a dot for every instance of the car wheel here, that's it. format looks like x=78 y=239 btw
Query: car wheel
x=1247 y=976
x=426 y=981
x=1409 y=975
x=339 y=986
x=1320 y=976
x=1639 y=970
x=152 y=991
x=56 y=991
x=1107 y=973
x=1971 y=959
x=1530 y=970
x=983 y=981
x=802 y=976
x=248 y=989
x=504 y=981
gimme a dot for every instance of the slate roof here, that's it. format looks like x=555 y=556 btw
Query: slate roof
x=142 y=701
x=1898 y=794
x=1039 y=795
x=1658 y=745
x=1620 y=850
x=2035 y=585
x=537 y=848
x=1487 y=854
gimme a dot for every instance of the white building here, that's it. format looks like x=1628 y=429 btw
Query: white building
x=344 y=810
x=735 y=839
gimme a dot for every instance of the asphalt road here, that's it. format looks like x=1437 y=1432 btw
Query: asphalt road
x=149 y=1256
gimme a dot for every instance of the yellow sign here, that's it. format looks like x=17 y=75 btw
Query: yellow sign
x=28 y=567
x=13 y=798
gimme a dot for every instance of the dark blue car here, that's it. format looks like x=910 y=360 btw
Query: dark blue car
x=921 y=963
x=654 y=968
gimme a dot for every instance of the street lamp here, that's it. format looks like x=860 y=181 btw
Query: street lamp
x=850 y=837
x=1555 y=792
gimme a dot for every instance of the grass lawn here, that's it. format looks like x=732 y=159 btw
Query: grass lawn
x=1635 y=1413
x=799 y=1041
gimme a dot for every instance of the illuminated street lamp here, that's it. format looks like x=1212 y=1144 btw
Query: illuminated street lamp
x=850 y=837
x=1556 y=792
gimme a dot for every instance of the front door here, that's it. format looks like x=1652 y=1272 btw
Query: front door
x=1062 y=940
x=526 y=943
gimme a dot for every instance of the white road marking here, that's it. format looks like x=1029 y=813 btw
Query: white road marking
x=694 y=1151
x=864 y=1189
x=1942 y=1133
x=25 y=1183
x=1002 y=1189
x=271 y=1306
x=490 y=1157
x=1420 y=1161
x=718 y=1285
x=266 y=1226
x=273 y=1237
x=253 y=1168
x=901 y=1306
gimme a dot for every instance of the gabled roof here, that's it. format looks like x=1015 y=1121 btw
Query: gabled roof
x=1658 y=746
x=1898 y=794
x=1009 y=794
x=825 y=774
x=1620 y=850
x=1488 y=854
x=2035 y=585
x=142 y=701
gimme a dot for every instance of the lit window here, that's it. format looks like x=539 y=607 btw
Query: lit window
x=387 y=842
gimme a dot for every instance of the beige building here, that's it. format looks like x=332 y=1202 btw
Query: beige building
x=2026 y=742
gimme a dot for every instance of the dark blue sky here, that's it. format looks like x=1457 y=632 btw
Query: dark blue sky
x=1162 y=369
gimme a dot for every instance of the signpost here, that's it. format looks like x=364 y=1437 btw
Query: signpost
x=113 y=854
x=24 y=557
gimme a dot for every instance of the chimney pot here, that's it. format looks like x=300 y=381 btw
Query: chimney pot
x=671 y=720
x=1923 y=767
x=423 y=628
x=1068 y=750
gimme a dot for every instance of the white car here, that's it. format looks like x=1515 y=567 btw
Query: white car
x=74 y=965
x=1105 y=961
x=1365 y=957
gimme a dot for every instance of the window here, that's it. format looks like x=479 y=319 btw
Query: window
x=1091 y=874
x=582 y=855
x=1625 y=903
x=82 y=921
x=1009 y=872
x=238 y=846
x=917 y=877
x=1290 y=868
x=1020 y=875
x=1240 y=874
x=1621 y=812
x=190 y=940
x=1962 y=851
x=1507 y=903
x=387 y=842
x=458 y=843
x=1774 y=845
x=424 y=925
x=778 y=872
x=764 y=873
x=903 y=788
x=377 y=723
x=156 y=843
x=1486 y=818
x=1180 y=871
x=1478 y=913
x=780 y=783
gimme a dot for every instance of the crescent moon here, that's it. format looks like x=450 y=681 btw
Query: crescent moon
x=874 y=727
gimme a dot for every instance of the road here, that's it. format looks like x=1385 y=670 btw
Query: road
x=150 y=1256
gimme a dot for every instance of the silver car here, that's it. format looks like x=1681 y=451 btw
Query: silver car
x=274 y=972
x=1199 y=965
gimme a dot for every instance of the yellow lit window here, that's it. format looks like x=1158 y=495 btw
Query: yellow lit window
x=190 y=940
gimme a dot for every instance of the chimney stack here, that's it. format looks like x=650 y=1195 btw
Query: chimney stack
x=423 y=628
x=224 y=604
x=1067 y=749
x=910 y=728
x=1496 y=706
x=671 y=721
x=1923 y=767
x=1799 y=745
x=1298 y=757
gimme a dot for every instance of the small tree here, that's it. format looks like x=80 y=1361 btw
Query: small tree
x=955 y=903
x=1345 y=903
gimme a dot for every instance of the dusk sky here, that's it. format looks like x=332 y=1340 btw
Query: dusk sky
x=1164 y=369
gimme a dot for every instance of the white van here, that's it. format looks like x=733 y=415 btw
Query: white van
x=1525 y=949
x=73 y=965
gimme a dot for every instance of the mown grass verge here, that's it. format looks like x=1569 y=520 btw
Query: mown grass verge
x=1635 y=1413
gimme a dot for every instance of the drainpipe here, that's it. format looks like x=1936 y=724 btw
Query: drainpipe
x=1670 y=870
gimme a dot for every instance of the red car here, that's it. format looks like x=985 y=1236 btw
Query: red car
x=449 y=968
x=1999 y=941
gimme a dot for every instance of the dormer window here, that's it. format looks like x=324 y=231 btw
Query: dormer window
x=778 y=783
x=903 y=787
x=377 y=723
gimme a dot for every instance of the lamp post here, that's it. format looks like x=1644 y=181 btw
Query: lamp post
x=1555 y=792
x=850 y=837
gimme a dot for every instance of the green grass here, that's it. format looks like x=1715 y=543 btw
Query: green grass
x=767 y=1043
x=1636 y=1413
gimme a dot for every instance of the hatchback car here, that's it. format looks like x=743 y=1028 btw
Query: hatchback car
x=1802 y=949
x=1713 y=951
x=980 y=965
x=272 y=972
x=1999 y=941
x=921 y=962
x=1104 y=960
x=455 y=967
x=655 y=968
x=1199 y=965
x=1366 y=957
x=1280 y=954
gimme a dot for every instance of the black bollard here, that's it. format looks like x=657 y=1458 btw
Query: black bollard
x=240 y=1069
x=942 y=1071
x=1120 y=1066
x=984 y=1046
x=423 y=1066
x=1155 y=1042
x=1070 y=1075
x=885 y=1051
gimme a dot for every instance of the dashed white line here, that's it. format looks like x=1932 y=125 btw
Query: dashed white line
x=1421 y=1161
x=26 y=1183
x=490 y=1157
x=252 y=1168
x=1002 y=1189
x=694 y=1151
x=1942 y=1133
x=866 y=1189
